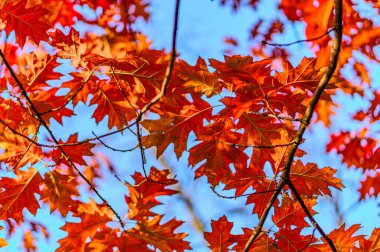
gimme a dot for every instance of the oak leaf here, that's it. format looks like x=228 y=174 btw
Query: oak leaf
x=310 y=180
x=25 y=22
x=75 y=151
x=18 y=194
x=220 y=238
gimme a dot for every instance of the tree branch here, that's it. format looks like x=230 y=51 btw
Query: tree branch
x=43 y=123
x=305 y=122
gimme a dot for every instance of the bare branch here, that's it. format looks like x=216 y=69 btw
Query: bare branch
x=299 y=41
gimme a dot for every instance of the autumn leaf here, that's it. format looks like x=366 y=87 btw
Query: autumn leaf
x=18 y=151
x=371 y=244
x=78 y=233
x=370 y=186
x=176 y=127
x=263 y=243
x=291 y=240
x=18 y=194
x=29 y=243
x=74 y=151
x=290 y=213
x=218 y=149
x=3 y=243
x=161 y=236
x=143 y=194
x=343 y=239
x=25 y=22
x=310 y=180
x=220 y=238
x=58 y=191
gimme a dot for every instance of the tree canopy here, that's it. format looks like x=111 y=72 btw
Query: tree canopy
x=82 y=87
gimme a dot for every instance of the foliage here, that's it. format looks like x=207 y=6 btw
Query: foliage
x=247 y=115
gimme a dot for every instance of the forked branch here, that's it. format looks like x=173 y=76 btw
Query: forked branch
x=285 y=177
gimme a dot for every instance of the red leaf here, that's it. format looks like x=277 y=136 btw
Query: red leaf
x=25 y=22
x=75 y=151
x=290 y=213
x=263 y=243
x=220 y=237
x=79 y=233
x=310 y=180
x=143 y=194
x=18 y=194
x=370 y=186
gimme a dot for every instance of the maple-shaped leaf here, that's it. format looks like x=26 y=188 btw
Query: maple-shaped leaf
x=310 y=180
x=372 y=244
x=79 y=233
x=343 y=239
x=263 y=243
x=47 y=102
x=259 y=131
x=291 y=240
x=198 y=78
x=265 y=189
x=110 y=102
x=161 y=236
x=357 y=150
x=218 y=147
x=39 y=69
x=220 y=238
x=143 y=195
x=74 y=151
x=290 y=213
x=370 y=186
x=70 y=46
x=181 y=118
x=244 y=178
x=25 y=22
x=18 y=150
x=17 y=194
x=58 y=191
x=17 y=117
x=109 y=240
x=305 y=76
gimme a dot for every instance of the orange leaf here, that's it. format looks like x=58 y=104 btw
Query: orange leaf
x=343 y=239
x=18 y=194
x=372 y=244
x=58 y=191
x=310 y=180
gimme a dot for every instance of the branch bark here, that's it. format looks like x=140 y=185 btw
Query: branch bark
x=285 y=177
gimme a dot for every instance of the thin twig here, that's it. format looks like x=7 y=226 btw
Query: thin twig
x=256 y=146
x=298 y=41
x=114 y=149
x=243 y=195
